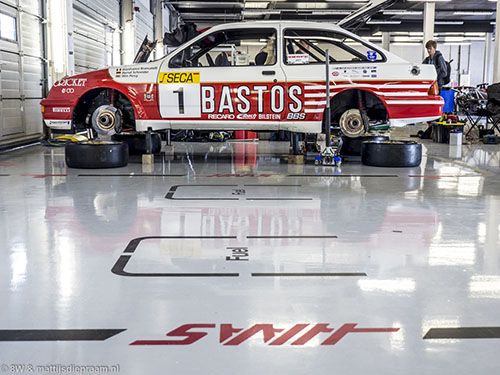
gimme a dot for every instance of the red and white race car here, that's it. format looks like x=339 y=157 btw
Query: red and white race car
x=262 y=76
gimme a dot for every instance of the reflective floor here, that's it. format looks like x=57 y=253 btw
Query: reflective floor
x=228 y=260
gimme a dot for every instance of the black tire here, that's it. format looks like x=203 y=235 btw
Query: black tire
x=352 y=146
x=391 y=154
x=137 y=142
x=96 y=154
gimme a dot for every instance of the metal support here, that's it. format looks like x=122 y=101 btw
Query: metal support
x=496 y=60
x=149 y=142
x=429 y=18
x=330 y=156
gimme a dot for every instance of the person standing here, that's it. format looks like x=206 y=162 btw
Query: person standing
x=436 y=57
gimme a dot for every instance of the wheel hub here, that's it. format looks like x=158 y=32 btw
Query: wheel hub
x=351 y=123
x=106 y=120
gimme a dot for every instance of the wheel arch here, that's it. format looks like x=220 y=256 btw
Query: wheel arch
x=348 y=99
x=130 y=105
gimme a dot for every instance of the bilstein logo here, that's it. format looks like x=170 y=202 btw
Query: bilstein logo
x=180 y=77
x=299 y=334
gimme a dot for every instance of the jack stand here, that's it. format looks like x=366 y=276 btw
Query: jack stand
x=330 y=155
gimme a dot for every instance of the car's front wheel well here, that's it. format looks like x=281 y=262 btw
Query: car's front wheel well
x=93 y=99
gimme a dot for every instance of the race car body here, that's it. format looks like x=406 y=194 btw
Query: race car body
x=262 y=76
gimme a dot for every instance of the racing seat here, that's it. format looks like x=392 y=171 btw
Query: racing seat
x=260 y=58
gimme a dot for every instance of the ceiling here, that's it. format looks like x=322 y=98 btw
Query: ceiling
x=403 y=15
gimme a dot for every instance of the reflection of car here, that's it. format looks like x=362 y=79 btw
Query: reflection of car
x=275 y=80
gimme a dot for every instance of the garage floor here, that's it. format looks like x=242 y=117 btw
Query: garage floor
x=228 y=260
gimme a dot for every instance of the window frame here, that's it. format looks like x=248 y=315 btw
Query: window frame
x=178 y=52
x=341 y=45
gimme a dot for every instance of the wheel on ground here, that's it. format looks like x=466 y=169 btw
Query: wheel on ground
x=352 y=146
x=137 y=142
x=391 y=154
x=96 y=154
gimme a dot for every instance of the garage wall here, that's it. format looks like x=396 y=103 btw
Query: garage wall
x=21 y=74
x=143 y=23
x=94 y=22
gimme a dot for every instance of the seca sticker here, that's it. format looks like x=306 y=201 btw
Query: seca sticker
x=179 y=77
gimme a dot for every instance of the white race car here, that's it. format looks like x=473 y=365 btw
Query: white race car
x=262 y=76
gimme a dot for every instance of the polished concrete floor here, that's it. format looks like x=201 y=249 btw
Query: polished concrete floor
x=228 y=260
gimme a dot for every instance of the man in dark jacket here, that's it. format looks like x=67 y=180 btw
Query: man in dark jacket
x=435 y=57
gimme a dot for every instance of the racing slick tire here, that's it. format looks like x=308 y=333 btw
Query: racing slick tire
x=352 y=146
x=391 y=154
x=96 y=154
x=137 y=142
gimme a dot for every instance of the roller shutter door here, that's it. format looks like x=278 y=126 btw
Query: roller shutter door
x=94 y=22
x=143 y=25
x=21 y=73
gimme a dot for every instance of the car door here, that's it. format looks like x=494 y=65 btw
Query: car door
x=351 y=63
x=225 y=79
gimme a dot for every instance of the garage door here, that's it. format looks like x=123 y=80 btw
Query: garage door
x=21 y=69
x=94 y=22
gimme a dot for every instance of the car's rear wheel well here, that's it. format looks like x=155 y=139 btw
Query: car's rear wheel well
x=357 y=99
x=98 y=97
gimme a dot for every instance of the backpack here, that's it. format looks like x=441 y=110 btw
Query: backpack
x=447 y=79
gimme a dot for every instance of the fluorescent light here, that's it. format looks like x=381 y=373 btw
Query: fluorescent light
x=456 y=44
x=255 y=5
x=405 y=44
x=402 y=12
x=429 y=1
x=375 y=22
x=449 y=22
x=472 y=13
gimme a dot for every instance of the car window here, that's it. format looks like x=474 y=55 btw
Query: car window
x=238 y=47
x=309 y=46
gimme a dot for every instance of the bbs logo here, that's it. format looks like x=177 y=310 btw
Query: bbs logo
x=296 y=116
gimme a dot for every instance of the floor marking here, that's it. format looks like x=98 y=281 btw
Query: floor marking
x=463 y=333
x=342 y=175
x=292 y=237
x=277 y=185
x=440 y=176
x=58 y=334
x=43 y=175
x=279 y=199
x=4 y=175
x=307 y=274
x=130 y=175
x=173 y=189
x=119 y=267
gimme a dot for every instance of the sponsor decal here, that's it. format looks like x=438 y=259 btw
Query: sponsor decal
x=148 y=97
x=61 y=110
x=298 y=59
x=179 y=77
x=372 y=55
x=296 y=116
x=335 y=73
x=67 y=91
x=246 y=116
x=71 y=82
x=134 y=72
x=298 y=335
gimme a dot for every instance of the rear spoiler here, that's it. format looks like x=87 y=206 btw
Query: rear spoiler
x=364 y=13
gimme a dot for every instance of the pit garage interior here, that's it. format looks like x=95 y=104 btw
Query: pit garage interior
x=242 y=252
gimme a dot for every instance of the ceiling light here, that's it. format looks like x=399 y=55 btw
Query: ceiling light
x=472 y=13
x=449 y=22
x=402 y=12
x=256 y=5
x=430 y=1
x=456 y=44
x=375 y=22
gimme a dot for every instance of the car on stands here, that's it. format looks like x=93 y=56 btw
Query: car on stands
x=260 y=76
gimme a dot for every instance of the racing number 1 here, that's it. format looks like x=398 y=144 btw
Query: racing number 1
x=180 y=92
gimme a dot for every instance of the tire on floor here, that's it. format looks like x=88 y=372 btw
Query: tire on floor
x=391 y=154
x=352 y=146
x=96 y=154
x=137 y=142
